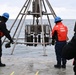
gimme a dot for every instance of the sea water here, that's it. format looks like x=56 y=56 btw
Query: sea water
x=68 y=22
x=21 y=49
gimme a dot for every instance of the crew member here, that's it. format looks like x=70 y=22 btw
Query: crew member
x=69 y=50
x=59 y=38
x=4 y=32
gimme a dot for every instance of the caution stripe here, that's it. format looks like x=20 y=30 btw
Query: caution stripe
x=37 y=73
x=12 y=73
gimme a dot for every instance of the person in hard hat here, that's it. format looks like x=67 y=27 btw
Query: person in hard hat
x=69 y=50
x=4 y=32
x=59 y=38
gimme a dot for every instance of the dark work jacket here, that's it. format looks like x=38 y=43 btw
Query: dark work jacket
x=5 y=31
x=69 y=50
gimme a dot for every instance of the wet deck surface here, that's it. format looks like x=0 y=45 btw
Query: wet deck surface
x=32 y=64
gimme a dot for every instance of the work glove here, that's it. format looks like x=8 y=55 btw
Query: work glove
x=8 y=45
x=11 y=41
x=53 y=42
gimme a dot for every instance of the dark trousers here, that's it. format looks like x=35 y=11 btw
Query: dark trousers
x=0 y=47
x=74 y=69
x=58 y=51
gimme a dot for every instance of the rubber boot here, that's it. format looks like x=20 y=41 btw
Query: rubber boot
x=63 y=66
x=57 y=66
x=1 y=64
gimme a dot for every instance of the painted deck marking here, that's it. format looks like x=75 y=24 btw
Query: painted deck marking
x=12 y=73
x=37 y=73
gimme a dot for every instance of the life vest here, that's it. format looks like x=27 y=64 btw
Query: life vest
x=61 y=31
x=1 y=34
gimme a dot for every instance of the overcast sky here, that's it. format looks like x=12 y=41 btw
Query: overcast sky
x=66 y=9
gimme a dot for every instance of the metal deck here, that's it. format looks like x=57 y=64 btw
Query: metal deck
x=27 y=66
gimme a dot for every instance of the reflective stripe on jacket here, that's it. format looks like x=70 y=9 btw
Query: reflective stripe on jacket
x=61 y=31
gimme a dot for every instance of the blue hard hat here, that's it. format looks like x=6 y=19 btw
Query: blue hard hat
x=6 y=15
x=57 y=19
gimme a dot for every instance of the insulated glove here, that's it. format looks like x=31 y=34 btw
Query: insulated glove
x=53 y=42
x=8 y=45
x=11 y=41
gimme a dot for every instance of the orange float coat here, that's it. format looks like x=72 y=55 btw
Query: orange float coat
x=61 y=31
